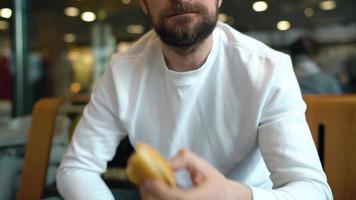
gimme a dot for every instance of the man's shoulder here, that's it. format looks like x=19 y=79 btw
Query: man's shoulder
x=253 y=61
x=235 y=40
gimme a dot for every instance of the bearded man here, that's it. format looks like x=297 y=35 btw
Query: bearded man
x=224 y=107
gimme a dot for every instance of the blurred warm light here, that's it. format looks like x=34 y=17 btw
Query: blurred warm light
x=222 y=17
x=309 y=12
x=69 y=38
x=4 y=25
x=135 y=29
x=75 y=87
x=230 y=20
x=126 y=1
x=283 y=25
x=87 y=58
x=5 y=12
x=88 y=16
x=71 y=11
x=327 y=5
x=260 y=6
x=82 y=63
x=73 y=56
x=123 y=46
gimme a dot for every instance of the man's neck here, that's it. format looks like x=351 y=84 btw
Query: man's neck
x=187 y=59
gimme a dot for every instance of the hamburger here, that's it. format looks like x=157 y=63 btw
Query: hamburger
x=146 y=163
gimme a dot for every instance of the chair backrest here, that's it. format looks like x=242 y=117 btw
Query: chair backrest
x=38 y=147
x=332 y=120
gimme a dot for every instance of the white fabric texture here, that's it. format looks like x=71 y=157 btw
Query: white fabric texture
x=242 y=111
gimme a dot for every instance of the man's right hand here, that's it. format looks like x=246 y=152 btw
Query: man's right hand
x=208 y=182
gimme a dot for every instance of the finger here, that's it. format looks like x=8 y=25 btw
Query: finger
x=145 y=195
x=159 y=190
x=199 y=192
x=156 y=190
x=197 y=178
x=189 y=161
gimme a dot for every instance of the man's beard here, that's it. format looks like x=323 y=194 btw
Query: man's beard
x=180 y=34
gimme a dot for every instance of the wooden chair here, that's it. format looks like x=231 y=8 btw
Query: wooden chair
x=38 y=147
x=332 y=120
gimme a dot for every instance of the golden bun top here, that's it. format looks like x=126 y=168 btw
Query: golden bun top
x=147 y=163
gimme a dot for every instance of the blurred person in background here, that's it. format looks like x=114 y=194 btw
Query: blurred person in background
x=311 y=79
x=5 y=78
x=224 y=106
x=350 y=74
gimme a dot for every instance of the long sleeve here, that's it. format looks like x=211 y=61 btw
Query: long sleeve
x=93 y=144
x=286 y=144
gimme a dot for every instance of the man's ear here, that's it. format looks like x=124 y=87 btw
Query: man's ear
x=144 y=6
x=219 y=3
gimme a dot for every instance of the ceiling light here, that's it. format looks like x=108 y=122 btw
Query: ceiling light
x=260 y=6
x=5 y=12
x=71 y=11
x=88 y=16
x=283 y=25
x=126 y=1
x=4 y=25
x=327 y=5
x=69 y=38
x=135 y=29
x=309 y=12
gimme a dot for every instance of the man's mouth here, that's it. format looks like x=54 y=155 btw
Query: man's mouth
x=181 y=13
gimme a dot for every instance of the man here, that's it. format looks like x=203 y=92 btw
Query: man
x=309 y=75
x=226 y=105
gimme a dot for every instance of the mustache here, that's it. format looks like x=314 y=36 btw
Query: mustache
x=183 y=8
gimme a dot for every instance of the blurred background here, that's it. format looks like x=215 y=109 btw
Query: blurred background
x=61 y=47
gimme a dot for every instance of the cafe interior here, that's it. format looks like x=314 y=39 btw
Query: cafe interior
x=53 y=52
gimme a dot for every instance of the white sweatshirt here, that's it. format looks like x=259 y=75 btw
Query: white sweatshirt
x=242 y=111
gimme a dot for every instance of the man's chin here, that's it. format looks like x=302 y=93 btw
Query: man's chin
x=187 y=26
x=188 y=32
